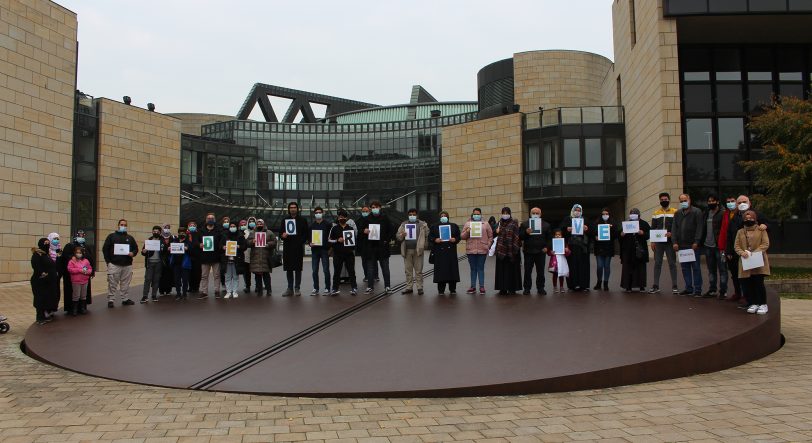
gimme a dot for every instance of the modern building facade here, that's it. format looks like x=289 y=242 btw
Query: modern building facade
x=548 y=128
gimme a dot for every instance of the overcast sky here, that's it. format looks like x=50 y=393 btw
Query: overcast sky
x=204 y=55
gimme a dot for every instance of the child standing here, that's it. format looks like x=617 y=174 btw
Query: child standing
x=558 y=265
x=79 y=269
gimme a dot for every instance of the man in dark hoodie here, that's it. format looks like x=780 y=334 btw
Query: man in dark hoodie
x=210 y=256
x=119 y=264
x=152 y=266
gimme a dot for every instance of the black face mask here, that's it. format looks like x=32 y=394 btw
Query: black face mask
x=749 y=223
x=665 y=203
x=156 y=234
x=713 y=205
x=260 y=228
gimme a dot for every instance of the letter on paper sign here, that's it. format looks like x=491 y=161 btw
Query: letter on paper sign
x=577 y=226
x=260 y=240
x=208 y=243
x=349 y=238
x=535 y=226
x=686 y=255
x=315 y=238
x=411 y=231
x=152 y=245
x=476 y=229
x=176 y=248
x=231 y=248
x=374 y=232
x=290 y=226
x=658 y=236
x=558 y=246
x=604 y=232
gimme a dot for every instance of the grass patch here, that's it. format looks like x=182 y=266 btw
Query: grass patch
x=789 y=272
x=796 y=296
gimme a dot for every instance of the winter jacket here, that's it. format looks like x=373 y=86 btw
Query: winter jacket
x=688 y=227
x=717 y=226
x=663 y=219
x=376 y=249
x=478 y=246
x=209 y=257
x=535 y=244
x=261 y=257
x=79 y=271
x=337 y=232
x=108 y=249
x=422 y=236
x=325 y=227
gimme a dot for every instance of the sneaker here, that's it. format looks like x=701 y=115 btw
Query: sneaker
x=470 y=290
x=674 y=290
x=654 y=290
x=406 y=291
x=216 y=294
x=297 y=292
x=234 y=294
x=763 y=309
x=288 y=292
x=127 y=302
x=710 y=294
x=481 y=290
x=643 y=290
x=526 y=292
x=388 y=290
x=419 y=292
x=334 y=292
x=368 y=291
x=453 y=292
x=144 y=299
x=722 y=296
x=228 y=295
x=110 y=304
x=685 y=292
x=314 y=292
x=542 y=292
x=202 y=296
x=155 y=299
x=354 y=292
x=752 y=309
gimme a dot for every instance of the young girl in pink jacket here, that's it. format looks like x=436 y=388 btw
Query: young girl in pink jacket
x=79 y=269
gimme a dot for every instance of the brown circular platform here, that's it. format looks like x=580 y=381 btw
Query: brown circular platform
x=412 y=345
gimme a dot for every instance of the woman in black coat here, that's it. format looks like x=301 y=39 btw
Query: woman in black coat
x=67 y=254
x=167 y=281
x=44 y=280
x=579 y=249
x=634 y=255
x=604 y=249
x=446 y=266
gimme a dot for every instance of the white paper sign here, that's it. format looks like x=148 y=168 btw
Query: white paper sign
x=374 y=232
x=558 y=246
x=349 y=238
x=290 y=226
x=686 y=255
x=260 y=240
x=411 y=231
x=756 y=260
x=631 y=226
x=121 y=249
x=658 y=236
x=476 y=229
x=176 y=248
x=604 y=232
x=316 y=238
x=152 y=245
x=535 y=226
x=577 y=226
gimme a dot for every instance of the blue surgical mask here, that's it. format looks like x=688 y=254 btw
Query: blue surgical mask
x=122 y=229
x=192 y=228
x=318 y=215
x=683 y=205
x=232 y=230
x=79 y=256
x=412 y=218
x=252 y=225
x=731 y=205
x=364 y=214
x=80 y=240
x=376 y=211
x=476 y=217
x=225 y=225
x=443 y=219
x=55 y=242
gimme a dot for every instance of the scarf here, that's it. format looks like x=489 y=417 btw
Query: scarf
x=508 y=243
x=54 y=248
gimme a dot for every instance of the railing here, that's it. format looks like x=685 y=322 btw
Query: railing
x=573 y=116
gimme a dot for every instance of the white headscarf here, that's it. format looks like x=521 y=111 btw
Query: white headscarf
x=54 y=247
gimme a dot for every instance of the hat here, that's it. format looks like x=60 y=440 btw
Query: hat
x=243 y=223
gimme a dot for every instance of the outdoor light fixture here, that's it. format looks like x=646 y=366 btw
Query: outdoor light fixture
x=151 y=106
x=127 y=100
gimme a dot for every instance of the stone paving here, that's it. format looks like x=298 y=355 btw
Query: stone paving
x=766 y=400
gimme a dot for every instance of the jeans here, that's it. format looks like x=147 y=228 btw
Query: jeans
x=232 y=279
x=715 y=261
x=413 y=266
x=152 y=278
x=477 y=263
x=692 y=274
x=667 y=249
x=366 y=264
x=118 y=281
x=536 y=260
x=182 y=277
x=263 y=277
x=321 y=255
x=604 y=266
x=373 y=270
x=294 y=279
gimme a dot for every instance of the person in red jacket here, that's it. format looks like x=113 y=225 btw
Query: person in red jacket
x=732 y=265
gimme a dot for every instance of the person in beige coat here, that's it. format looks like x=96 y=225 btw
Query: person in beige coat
x=412 y=251
x=749 y=240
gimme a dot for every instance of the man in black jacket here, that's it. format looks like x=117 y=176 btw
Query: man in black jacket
x=210 y=238
x=714 y=259
x=152 y=266
x=119 y=249
x=535 y=251
x=293 y=248
x=687 y=235
x=377 y=251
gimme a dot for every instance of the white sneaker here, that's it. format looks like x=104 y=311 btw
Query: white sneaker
x=314 y=292
x=228 y=295
x=752 y=309
x=763 y=309
x=325 y=292
x=234 y=294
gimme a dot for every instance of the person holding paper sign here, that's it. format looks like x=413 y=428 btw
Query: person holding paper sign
x=167 y=278
x=634 y=255
x=663 y=220
x=210 y=256
x=413 y=235
x=735 y=224
x=182 y=266
x=261 y=258
x=605 y=233
x=751 y=240
x=119 y=266
x=152 y=266
x=508 y=254
x=476 y=248
x=687 y=234
x=343 y=252
x=232 y=265
x=377 y=251
x=534 y=246
x=193 y=236
x=293 y=248
x=446 y=266
x=360 y=250
x=320 y=249
x=578 y=279
x=559 y=266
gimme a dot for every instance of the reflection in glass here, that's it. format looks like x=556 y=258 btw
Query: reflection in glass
x=697 y=98
x=699 y=167
x=592 y=152
x=731 y=133
x=699 y=133
x=572 y=153
x=729 y=98
x=573 y=177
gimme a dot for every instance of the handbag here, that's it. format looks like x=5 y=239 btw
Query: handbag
x=431 y=257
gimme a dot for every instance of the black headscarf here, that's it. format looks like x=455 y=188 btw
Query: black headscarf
x=44 y=245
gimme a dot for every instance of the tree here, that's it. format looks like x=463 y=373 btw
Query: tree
x=785 y=171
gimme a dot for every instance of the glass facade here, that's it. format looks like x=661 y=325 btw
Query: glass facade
x=722 y=86
x=84 y=189
x=710 y=7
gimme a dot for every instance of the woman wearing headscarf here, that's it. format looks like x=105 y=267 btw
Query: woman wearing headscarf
x=55 y=252
x=750 y=240
x=67 y=254
x=167 y=281
x=446 y=266
x=508 y=254
x=634 y=255
x=604 y=249
x=579 y=248
x=44 y=281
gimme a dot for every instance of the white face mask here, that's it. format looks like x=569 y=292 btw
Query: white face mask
x=535 y=215
x=505 y=216
x=633 y=217
x=605 y=217
x=743 y=206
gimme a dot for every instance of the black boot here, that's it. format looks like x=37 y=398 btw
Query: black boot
x=597 y=285
x=82 y=307
x=605 y=285
x=74 y=310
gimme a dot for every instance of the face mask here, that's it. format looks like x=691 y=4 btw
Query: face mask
x=731 y=205
x=605 y=217
x=122 y=229
x=155 y=233
x=683 y=205
x=364 y=214
x=260 y=228
x=55 y=242
x=713 y=205
x=232 y=230
x=167 y=231
x=318 y=215
x=210 y=222
x=342 y=221
x=80 y=240
x=749 y=223
x=476 y=217
x=252 y=225
x=225 y=225
x=412 y=218
x=505 y=216
x=664 y=203
x=443 y=219
x=743 y=206
x=192 y=228
x=79 y=256
x=243 y=228
x=376 y=211
x=634 y=217
x=535 y=215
